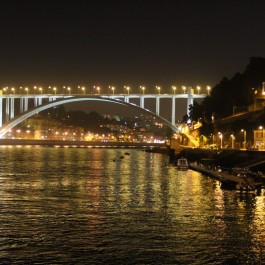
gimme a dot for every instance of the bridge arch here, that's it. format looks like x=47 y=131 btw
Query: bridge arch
x=18 y=119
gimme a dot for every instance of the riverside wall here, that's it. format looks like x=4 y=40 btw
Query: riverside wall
x=78 y=143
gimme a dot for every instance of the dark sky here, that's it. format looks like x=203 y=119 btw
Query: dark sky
x=128 y=42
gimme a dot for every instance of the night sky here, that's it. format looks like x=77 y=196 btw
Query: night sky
x=133 y=43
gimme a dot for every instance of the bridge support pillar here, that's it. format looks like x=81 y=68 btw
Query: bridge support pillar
x=142 y=102
x=26 y=104
x=35 y=101
x=7 y=110
x=21 y=101
x=157 y=106
x=173 y=114
x=12 y=108
x=126 y=99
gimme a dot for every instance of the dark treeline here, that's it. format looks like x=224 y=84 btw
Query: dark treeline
x=231 y=95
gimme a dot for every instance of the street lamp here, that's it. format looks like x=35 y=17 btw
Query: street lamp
x=113 y=89
x=221 y=138
x=158 y=88
x=198 y=88
x=174 y=89
x=245 y=137
x=184 y=89
x=208 y=90
x=69 y=90
x=261 y=128
x=128 y=89
x=98 y=89
x=83 y=89
x=40 y=89
x=13 y=89
x=27 y=90
x=232 y=141
x=143 y=89
x=54 y=90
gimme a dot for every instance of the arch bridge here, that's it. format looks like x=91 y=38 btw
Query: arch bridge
x=9 y=117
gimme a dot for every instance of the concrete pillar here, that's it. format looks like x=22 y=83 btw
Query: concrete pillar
x=142 y=102
x=35 y=101
x=12 y=108
x=26 y=104
x=157 y=105
x=7 y=110
x=173 y=114
x=21 y=101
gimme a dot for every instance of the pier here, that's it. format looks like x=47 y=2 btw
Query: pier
x=233 y=178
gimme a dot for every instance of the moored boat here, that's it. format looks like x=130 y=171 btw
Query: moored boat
x=182 y=164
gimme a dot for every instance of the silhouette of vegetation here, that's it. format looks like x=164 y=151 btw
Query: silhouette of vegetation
x=230 y=95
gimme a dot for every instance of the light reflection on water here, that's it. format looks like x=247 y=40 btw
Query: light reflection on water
x=88 y=206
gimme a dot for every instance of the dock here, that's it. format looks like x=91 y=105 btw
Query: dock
x=228 y=179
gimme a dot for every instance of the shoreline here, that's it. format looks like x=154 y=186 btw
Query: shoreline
x=5 y=142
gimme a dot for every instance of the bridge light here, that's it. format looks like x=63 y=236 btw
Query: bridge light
x=113 y=88
x=98 y=89
x=27 y=90
x=13 y=89
x=208 y=90
x=40 y=90
x=83 y=89
x=198 y=88
x=54 y=90
x=69 y=90
x=143 y=89
x=158 y=88
x=184 y=89
x=128 y=89
x=174 y=89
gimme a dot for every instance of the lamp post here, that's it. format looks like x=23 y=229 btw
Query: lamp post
x=83 y=89
x=198 y=88
x=128 y=90
x=98 y=89
x=158 y=89
x=69 y=90
x=184 y=89
x=232 y=141
x=143 y=89
x=221 y=139
x=262 y=128
x=14 y=91
x=174 y=89
x=245 y=137
x=113 y=89
x=208 y=90
x=27 y=90
x=40 y=89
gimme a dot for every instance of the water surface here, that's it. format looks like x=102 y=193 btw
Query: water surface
x=88 y=206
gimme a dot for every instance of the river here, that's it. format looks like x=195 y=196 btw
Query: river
x=88 y=206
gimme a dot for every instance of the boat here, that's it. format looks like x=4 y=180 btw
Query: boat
x=182 y=164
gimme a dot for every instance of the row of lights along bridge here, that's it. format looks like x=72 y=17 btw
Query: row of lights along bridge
x=98 y=90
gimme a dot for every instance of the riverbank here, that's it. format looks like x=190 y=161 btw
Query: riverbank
x=226 y=158
x=79 y=143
